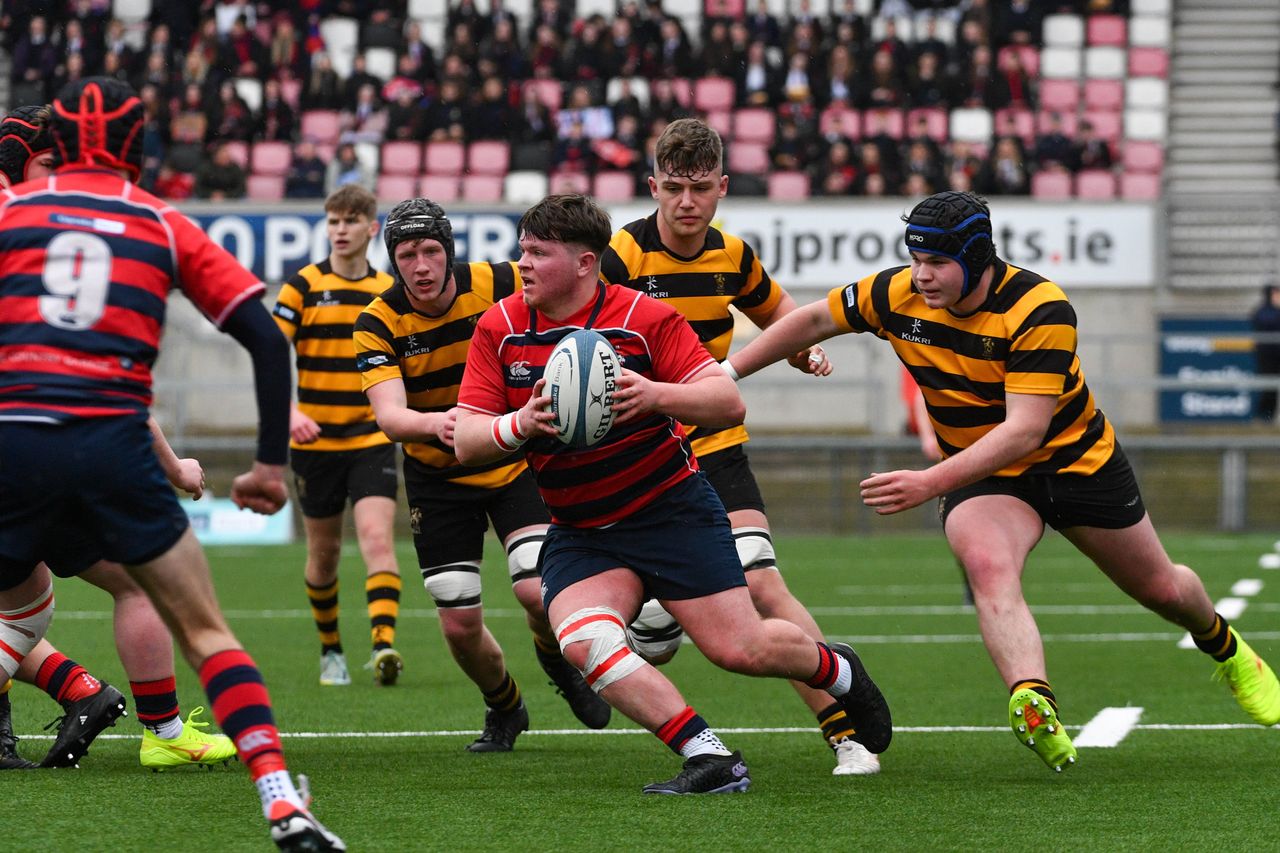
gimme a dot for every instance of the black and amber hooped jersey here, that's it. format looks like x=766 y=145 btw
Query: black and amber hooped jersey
x=395 y=341
x=726 y=272
x=1022 y=341
x=316 y=310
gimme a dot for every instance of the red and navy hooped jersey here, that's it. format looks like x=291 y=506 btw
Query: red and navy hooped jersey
x=636 y=462
x=87 y=260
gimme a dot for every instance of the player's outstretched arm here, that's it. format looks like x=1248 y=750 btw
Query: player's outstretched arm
x=401 y=423
x=186 y=474
x=481 y=438
x=797 y=331
x=812 y=360
x=262 y=488
x=709 y=399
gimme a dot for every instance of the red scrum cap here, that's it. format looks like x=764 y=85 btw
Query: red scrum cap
x=98 y=121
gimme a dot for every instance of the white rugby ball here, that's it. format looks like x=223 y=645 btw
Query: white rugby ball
x=582 y=373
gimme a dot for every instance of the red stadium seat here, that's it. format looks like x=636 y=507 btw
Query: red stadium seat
x=401 y=158
x=550 y=92
x=1059 y=95
x=1109 y=125
x=754 y=124
x=749 y=158
x=1107 y=30
x=444 y=157
x=482 y=188
x=1012 y=121
x=935 y=119
x=1148 y=62
x=239 y=152
x=788 y=186
x=883 y=121
x=321 y=126
x=1051 y=185
x=489 y=157
x=713 y=94
x=1104 y=95
x=1139 y=186
x=439 y=188
x=265 y=187
x=397 y=187
x=1143 y=156
x=1096 y=184
x=271 y=158
x=613 y=186
x=841 y=120
x=570 y=182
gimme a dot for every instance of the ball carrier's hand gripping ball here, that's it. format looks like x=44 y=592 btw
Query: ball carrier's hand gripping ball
x=582 y=374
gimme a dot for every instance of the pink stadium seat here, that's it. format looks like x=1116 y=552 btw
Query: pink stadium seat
x=883 y=121
x=401 y=158
x=754 y=124
x=550 y=92
x=682 y=89
x=291 y=91
x=444 y=157
x=724 y=8
x=1096 y=184
x=1051 y=185
x=1069 y=122
x=788 y=186
x=1107 y=30
x=613 y=186
x=1012 y=121
x=439 y=188
x=1143 y=156
x=722 y=121
x=482 y=188
x=1139 y=186
x=398 y=187
x=1102 y=94
x=265 y=187
x=239 y=152
x=936 y=122
x=321 y=126
x=713 y=94
x=1109 y=125
x=1059 y=95
x=489 y=157
x=570 y=182
x=1028 y=54
x=326 y=150
x=751 y=158
x=840 y=120
x=1148 y=62
x=271 y=158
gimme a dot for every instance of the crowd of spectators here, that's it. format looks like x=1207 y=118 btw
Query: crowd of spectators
x=799 y=66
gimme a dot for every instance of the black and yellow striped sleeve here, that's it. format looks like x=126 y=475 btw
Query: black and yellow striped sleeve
x=288 y=308
x=376 y=357
x=759 y=296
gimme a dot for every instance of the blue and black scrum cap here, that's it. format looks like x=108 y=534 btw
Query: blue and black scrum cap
x=956 y=225
x=417 y=219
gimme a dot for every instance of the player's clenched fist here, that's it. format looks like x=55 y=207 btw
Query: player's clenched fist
x=260 y=489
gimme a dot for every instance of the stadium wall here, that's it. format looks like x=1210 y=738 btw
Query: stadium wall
x=1108 y=257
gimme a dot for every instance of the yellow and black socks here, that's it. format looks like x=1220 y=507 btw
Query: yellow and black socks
x=1038 y=686
x=382 y=590
x=505 y=697
x=324 y=609
x=834 y=723
x=1218 y=642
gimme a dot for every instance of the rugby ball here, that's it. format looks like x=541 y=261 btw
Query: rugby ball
x=581 y=375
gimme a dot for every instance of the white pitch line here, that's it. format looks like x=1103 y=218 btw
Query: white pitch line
x=1246 y=587
x=1108 y=727
x=1230 y=608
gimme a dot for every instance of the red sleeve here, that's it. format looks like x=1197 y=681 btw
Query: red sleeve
x=207 y=273
x=483 y=388
x=677 y=353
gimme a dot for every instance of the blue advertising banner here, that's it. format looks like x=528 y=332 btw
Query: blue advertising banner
x=1217 y=348
x=218 y=521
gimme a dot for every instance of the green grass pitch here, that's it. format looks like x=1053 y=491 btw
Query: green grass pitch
x=389 y=772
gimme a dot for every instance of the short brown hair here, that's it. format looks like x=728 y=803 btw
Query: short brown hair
x=688 y=148
x=352 y=198
x=568 y=218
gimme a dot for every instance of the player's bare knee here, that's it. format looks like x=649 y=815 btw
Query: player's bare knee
x=594 y=639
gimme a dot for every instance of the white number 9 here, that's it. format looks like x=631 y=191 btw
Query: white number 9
x=77 y=272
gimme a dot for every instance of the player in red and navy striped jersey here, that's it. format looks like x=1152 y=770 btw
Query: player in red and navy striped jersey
x=86 y=262
x=633 y=516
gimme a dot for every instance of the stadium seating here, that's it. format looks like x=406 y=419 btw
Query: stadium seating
x=1147 y=93
x=722 y=121
x=570 y=182
x=1016 y=122
x=488 y=157
x=444 y=157
x=238 y=151
x=1029 y=56
x=613 y=186
x=250 y=91
x=788 y=186
x=271 y=158
x=131 y=11
x=550 y=92
x=1150 y=32
x=1051 y=185
x=1059 y=95
x=754 y=124
x=1104 y=95
x=750 y=158
x=1063 y=31
x=380 y=62
x=1145 y=124
x=1109 y=62
x=524 y=187
x=888 y=122
x=265 y=187
x=713 y=94
x=482 y=189
x=1148 y=62
x=1139 y=186
x=401 y=158
x=1096 y=184
x=396 y=187
x=439 y=188
x=971 y=124
x=1060 y=62
x=1107 y=30
x=1142 y=156
x=935 y=122
x=840 y=120
x=1106 y=123
x=321 y=126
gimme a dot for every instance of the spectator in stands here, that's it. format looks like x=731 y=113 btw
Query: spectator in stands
x=917 y=185
x=838 y=84
x=626 y=102
x=763 y=26
x=276 y=121
x=490 y=113
x=464 y=44
x=465 y=12
x=926 y=86
x=923 y=160
x=73 y=41
x=91 y=15
x=893 y=44
x=323 y=89
x=502 y=48
x=573 y=152
x=803 y=17
x=596 y=120
x=249 y=56
x=173 y=184
x=112 y=68
x=380 y=29
x=758 y=80
x=420 y=53
x=1265 y=320
x=884 y=87
x=675 y=56
x=797 y=85
x=981 y=85
x=663 y=103
x=836 y=173
x=195 y=69
x=873 y=184
x=227 y=12
x=220 y=178
x=844 y=13
x=928 y=42
x=189 y=125
x=1054 y=149
x=496 y=17
x=306 y=177
x=35 y=57
x=71 y=70
x=1092 y=151
x=960 y=180
x=1005 y=172
x=544 y=55
x=230 y=117
x=155 y=129
x=627 y=58
x=114 y=41
x=791 y=150
x=286 y=49
x=961 y=157
x=718 y=58
x=534 y=122
x=875 y=162
x=553 y=14
x=584 y=54
x=357 y=80
x=446 y=116
x=1016 y=80
x=208 y=43
x=1017 y=22
x=972 y=35
x=347 y=168
x=160 y=42
x=367 y=120
x=155 y=72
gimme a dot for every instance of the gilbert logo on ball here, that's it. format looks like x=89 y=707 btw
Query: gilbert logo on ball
x=582 y=373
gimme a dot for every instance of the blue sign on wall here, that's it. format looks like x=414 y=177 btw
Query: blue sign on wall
x=1218 y=348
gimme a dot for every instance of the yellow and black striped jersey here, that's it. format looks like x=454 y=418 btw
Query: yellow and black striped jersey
x=726 y=272
x=1022 y=340
x=395 y=341
x=316 y=310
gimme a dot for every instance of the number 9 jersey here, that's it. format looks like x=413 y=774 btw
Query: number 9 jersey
x=87 y=260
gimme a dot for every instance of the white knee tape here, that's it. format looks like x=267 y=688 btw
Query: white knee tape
x=755 y=548
x=21 y=629
x=454 y=585
x=609 y=658
x=655 y=635
x=522 y=556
